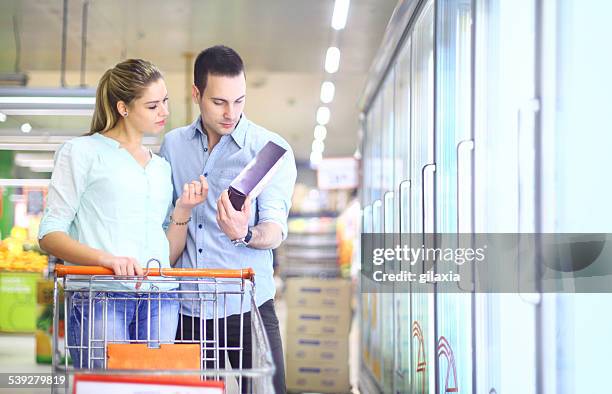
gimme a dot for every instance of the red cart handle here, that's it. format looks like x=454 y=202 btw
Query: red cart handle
x=246 y=273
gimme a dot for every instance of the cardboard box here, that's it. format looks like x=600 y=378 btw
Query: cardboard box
x=318 y=377
x=254 y=177
x=318 y=293
x=318 y=322
x=314 y=350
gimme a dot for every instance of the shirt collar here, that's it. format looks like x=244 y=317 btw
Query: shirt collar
x=196 y=127
x=238 y=135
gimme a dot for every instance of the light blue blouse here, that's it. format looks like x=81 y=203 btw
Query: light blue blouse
x=102 y=197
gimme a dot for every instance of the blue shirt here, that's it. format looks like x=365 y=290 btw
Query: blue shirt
x=102 y=197
x=186 y=149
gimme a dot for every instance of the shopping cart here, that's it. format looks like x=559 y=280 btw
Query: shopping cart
x=122 y=329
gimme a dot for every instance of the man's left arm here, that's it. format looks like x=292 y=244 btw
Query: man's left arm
x=266 y=235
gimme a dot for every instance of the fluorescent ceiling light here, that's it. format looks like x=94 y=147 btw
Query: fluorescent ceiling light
x=332 y=60
x=315 y=158
x=327 y=92
x=341 y=8
x=51 y=141
x=48 y=112
x=320 y=132
x=41 y=169
x=27 y=159
x=36 y=162
x=44 y=101
x=49 y=100
x=318 y=146
x=323 y=115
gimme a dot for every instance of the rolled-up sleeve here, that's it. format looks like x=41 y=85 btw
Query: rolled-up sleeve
x=68 y=182
x=274 y=202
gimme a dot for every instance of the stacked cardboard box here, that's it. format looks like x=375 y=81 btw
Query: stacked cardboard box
x=318 y=324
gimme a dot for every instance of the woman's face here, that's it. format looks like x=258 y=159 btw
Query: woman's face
x=149 y=112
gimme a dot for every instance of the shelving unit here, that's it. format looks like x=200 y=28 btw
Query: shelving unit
x=311 y=248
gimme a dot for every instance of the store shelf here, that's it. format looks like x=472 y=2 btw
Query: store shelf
x=311 y=248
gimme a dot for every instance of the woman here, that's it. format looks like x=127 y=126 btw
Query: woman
x=108 y=199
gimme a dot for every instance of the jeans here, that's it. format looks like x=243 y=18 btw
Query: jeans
x=118 y=318
x=190 y=330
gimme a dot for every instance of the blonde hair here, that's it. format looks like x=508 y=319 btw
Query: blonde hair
x=124 y=82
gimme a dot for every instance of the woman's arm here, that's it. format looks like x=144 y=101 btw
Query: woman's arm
x=194 y=193
x=177 y=233
x=68 y=183
x=59 y=244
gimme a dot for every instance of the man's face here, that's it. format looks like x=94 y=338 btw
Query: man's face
x=221 y=103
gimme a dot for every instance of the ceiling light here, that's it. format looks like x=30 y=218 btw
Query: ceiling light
x=32 y=159
x=41 y=169
x=318 y=146
x=26 y=128
x=45 y=101
x=341 y=8
x=49 y=100
x=2 y=117
x=50 y=140
x=320 y=132
x=315 y=158
x=49 y=112
x=327 y=92
x=332 y=60
x=323 y=115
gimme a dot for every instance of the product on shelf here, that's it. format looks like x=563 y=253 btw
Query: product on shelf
x=19 y=254
x=44 y=322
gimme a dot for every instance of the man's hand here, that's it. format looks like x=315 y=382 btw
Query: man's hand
x=235 y=224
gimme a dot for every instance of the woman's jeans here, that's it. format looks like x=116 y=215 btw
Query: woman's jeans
x=118 y=318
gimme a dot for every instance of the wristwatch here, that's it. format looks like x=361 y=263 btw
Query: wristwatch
x=243 y=241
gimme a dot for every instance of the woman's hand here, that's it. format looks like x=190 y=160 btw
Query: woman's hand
x=126 y=266
x=194 y=193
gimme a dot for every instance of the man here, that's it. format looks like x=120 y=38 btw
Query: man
x=218 y=145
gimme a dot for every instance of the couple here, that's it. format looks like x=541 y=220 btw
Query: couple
x=113 y=203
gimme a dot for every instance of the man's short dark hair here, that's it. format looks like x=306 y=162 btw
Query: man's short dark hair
x=218 y=60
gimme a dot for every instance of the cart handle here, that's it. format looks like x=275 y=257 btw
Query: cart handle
x=246 y=273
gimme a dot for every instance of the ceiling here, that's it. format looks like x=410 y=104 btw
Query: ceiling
x=282 y=42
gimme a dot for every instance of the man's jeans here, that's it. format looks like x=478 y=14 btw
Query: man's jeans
x=138 y=318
